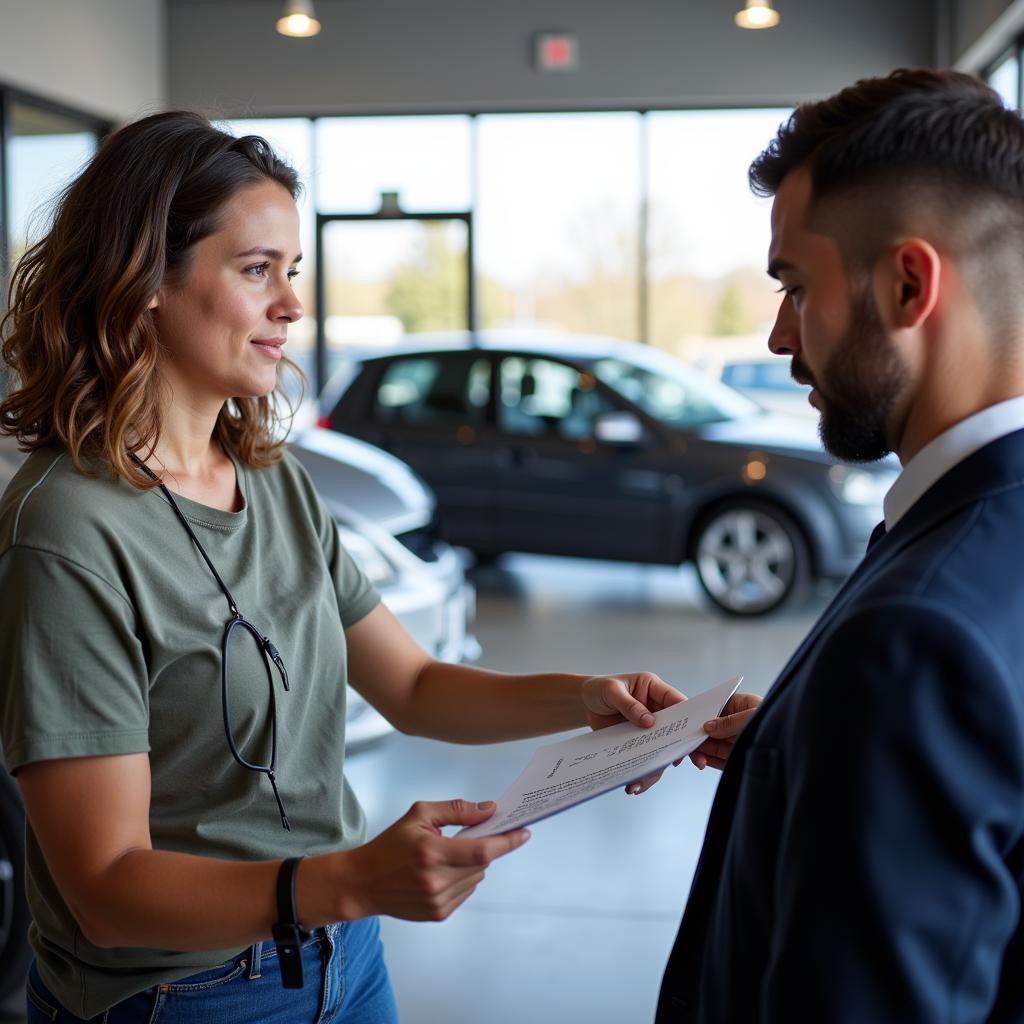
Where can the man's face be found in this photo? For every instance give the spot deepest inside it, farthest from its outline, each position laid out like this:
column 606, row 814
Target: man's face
column 834, row 333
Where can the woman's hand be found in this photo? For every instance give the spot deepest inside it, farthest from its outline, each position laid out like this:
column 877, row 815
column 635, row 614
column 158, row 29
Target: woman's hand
column 632, row 697
column 722, row 731
column 412, row 871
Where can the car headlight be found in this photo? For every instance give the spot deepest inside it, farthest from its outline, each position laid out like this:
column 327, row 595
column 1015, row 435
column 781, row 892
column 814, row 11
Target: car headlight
column 861, row 486
column 367, row 556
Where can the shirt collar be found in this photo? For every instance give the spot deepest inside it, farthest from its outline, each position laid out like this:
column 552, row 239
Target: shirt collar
column 942, row 453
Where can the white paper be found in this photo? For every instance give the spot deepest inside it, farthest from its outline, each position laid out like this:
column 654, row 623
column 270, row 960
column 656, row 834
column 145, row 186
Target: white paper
column 563, row 774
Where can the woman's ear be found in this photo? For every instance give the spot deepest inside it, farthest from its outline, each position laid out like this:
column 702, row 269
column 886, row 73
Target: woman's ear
column 908, row 276
column 154, row 301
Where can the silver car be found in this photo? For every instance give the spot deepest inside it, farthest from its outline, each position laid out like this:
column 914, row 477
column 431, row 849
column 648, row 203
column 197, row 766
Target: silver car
column 387, row 518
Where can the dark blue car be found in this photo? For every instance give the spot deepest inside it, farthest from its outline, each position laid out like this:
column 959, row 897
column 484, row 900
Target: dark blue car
column 599, row 448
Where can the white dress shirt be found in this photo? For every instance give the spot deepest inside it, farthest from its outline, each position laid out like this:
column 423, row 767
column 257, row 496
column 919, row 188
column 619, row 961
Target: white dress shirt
column 942, row 453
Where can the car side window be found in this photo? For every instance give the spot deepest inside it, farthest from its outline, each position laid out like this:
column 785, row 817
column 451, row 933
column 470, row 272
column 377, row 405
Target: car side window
column 444, row 389
column 543, row 398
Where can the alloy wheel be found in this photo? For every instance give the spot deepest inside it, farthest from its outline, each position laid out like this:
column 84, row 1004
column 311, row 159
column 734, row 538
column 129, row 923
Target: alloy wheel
column 748, row 559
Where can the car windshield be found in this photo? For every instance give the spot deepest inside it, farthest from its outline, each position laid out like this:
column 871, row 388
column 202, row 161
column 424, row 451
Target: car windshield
column 769, row 374
column 672, row 392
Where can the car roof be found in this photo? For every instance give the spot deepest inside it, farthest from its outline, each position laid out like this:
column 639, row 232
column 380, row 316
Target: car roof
column 543, row 342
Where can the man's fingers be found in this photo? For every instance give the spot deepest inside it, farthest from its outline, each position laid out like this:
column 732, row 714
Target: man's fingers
column 635, row 788
column 715, row 748
column 729, row 725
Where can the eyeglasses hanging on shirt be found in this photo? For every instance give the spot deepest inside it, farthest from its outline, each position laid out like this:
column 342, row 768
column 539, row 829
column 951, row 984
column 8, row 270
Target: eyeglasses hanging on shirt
column 269, row 654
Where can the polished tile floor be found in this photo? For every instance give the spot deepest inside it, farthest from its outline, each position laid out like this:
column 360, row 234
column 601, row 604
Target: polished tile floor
column 576, row 925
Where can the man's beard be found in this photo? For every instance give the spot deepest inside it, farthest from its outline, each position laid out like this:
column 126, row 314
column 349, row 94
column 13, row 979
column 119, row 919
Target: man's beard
column 858, row 387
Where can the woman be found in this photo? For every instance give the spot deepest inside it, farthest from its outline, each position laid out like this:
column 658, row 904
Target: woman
column 158, row 541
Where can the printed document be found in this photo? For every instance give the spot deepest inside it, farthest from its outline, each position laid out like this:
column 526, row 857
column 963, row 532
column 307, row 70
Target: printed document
column 563, row 774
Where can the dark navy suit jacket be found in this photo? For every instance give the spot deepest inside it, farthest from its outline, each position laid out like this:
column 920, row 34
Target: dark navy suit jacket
column 864, row 856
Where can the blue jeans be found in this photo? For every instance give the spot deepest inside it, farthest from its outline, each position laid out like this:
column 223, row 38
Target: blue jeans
column 346, row 983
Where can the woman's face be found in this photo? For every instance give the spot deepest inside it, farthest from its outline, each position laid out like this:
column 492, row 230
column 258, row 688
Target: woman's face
column 223, row 326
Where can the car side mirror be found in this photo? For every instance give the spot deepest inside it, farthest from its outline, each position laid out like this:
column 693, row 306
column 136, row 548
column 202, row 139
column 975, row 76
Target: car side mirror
column 618, row 428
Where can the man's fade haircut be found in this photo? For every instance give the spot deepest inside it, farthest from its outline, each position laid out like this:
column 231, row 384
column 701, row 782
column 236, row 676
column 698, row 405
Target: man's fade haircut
column 925, row 151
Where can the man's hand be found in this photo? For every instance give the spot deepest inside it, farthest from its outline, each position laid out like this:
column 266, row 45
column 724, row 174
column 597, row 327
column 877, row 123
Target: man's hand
column 722, row 731
column 632, row 697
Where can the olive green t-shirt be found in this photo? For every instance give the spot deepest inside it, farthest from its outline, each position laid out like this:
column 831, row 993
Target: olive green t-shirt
column 110, row 643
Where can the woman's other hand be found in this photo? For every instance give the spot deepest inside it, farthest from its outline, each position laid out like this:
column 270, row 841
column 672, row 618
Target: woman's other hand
column 412, row 871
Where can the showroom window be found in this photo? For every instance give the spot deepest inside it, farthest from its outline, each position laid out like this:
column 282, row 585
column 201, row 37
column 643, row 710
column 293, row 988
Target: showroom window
column 45, row 145
column 635, row 225
column 707, row 245
column 1004, row 76
column 559, row 215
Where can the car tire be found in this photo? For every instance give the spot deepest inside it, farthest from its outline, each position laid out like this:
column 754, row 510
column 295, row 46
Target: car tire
column 751, row 557
column 15, row 953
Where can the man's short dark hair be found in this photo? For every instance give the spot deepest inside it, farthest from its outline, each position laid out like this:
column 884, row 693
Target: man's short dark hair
column 918, row 151
column 936, row 122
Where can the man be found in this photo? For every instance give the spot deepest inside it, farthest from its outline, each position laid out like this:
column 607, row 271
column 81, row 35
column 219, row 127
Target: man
column 865, row 853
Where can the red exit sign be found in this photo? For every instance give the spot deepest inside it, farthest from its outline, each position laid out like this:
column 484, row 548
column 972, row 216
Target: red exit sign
column 555, row 51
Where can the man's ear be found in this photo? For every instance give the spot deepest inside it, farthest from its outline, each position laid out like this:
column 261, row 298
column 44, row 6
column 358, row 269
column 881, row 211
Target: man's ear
column 909, row 277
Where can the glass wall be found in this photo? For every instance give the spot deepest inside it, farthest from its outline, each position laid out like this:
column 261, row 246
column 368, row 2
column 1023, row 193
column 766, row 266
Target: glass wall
column 627, row 224
column 425, row 162
column 1005, row 78
column 44, row 150
column 559, row 222
column 707, row 247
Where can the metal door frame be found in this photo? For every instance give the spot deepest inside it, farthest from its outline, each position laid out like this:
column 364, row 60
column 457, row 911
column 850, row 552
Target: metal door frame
column 323, row 219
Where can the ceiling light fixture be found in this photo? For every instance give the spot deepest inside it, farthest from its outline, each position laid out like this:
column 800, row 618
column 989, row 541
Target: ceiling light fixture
column 757, row 14
column 298, row 19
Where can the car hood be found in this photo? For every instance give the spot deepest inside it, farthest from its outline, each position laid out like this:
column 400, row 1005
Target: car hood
column 782, row 433
column 768, row 430
column 356, row 475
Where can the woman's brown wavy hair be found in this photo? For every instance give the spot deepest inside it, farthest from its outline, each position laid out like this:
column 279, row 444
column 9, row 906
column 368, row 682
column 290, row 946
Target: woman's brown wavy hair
column 78, row 334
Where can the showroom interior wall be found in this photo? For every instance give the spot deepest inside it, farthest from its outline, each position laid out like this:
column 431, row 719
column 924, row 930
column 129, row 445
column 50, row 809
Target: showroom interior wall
column 466, row 55
column 117, row 59
column 106, row 58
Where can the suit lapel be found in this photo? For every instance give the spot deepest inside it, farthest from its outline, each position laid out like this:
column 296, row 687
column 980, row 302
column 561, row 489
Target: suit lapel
column 997, row 467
